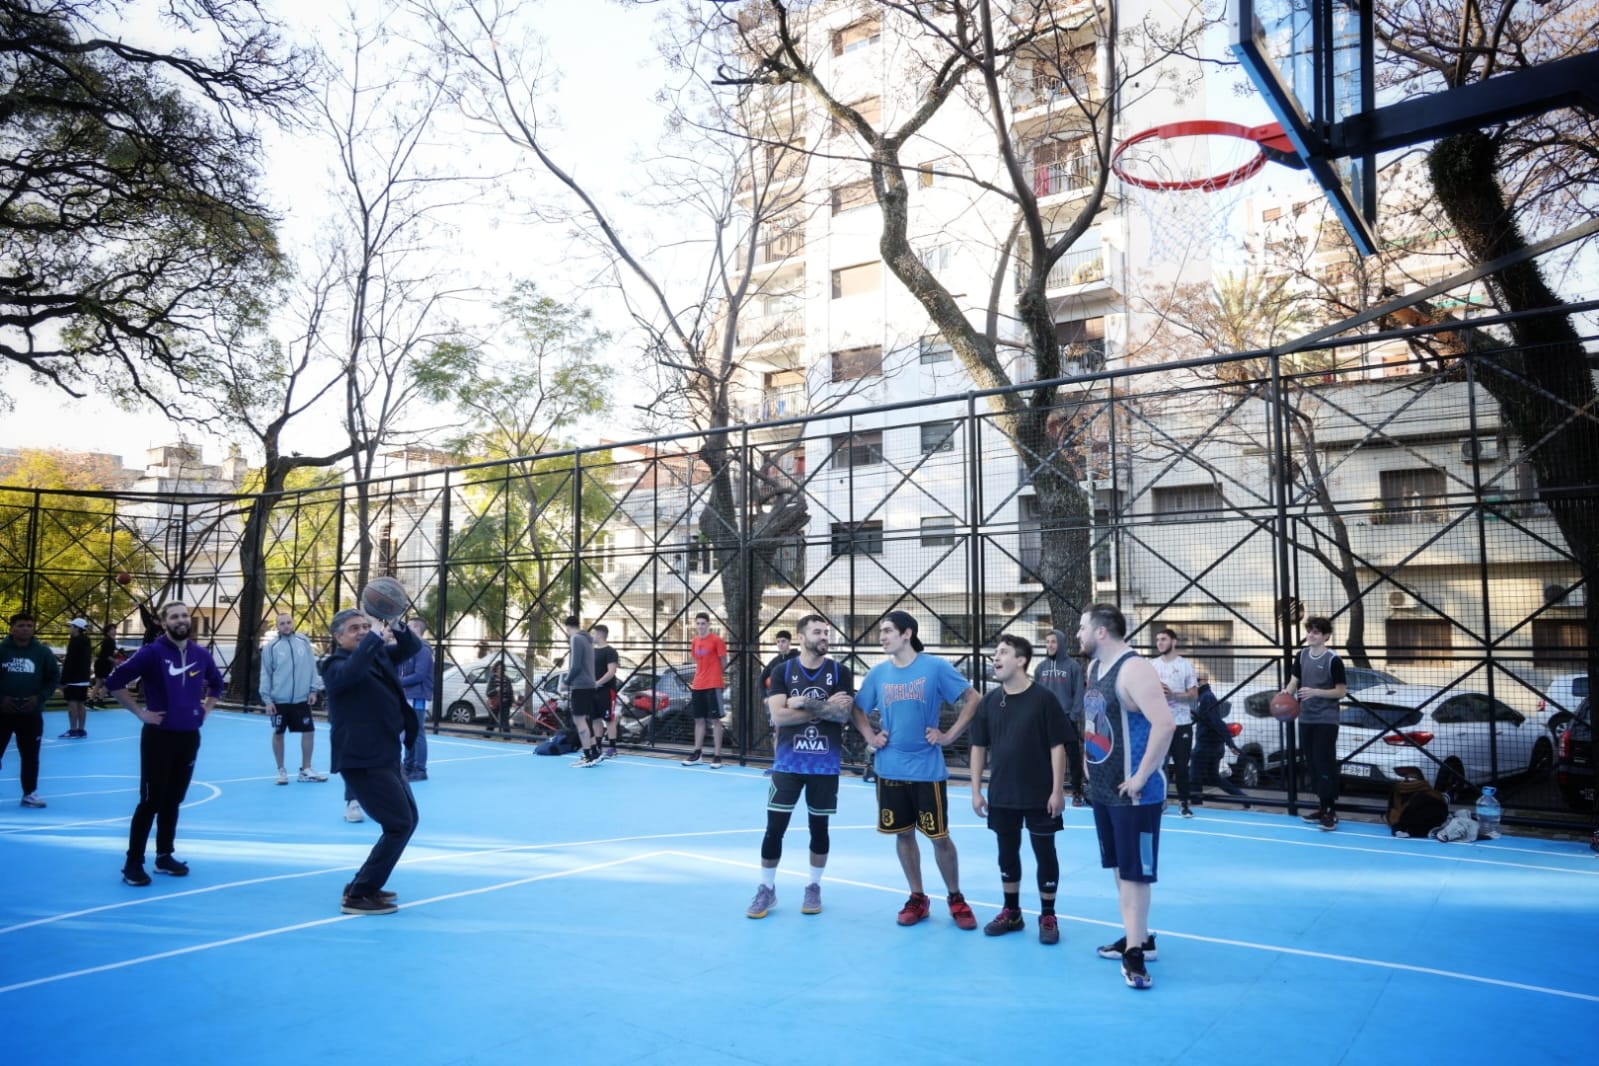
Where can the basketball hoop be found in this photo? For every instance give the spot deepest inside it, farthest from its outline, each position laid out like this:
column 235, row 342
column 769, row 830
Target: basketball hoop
column 1165, row 165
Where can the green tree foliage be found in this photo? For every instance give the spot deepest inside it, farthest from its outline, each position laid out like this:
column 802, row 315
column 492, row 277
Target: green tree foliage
column 131, row 226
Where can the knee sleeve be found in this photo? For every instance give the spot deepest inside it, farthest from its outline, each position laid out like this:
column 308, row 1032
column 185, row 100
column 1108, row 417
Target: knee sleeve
column 1010, row 857
column 772, row 842
column 1048, row 863
column 819, row 840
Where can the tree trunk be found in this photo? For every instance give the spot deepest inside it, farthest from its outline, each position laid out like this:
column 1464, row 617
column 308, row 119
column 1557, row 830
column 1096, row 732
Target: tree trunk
column 1344, row 572
column 1545, row 384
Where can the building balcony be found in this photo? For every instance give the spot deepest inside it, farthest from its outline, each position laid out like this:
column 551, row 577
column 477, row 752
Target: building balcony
column 1068, row 177
column 770, row 329
column 1079, row 269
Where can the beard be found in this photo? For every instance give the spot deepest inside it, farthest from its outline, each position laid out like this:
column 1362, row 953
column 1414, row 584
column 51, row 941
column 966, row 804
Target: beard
column 177, row 630
column 819, row 648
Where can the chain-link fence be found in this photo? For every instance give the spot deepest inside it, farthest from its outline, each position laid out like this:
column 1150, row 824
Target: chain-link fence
column 1435, row 499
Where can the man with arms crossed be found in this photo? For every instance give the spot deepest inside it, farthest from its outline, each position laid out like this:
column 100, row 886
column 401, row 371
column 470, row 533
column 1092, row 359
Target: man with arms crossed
column 710, row 660
column 912, row 792
column 180, row 684
column 1025, row 728
column 290, row 685
column 1127, row 729
column 811, row 698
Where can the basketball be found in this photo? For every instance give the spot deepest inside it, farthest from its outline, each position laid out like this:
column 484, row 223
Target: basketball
column 384, row 598
column 124, row 578
column 1284, row 707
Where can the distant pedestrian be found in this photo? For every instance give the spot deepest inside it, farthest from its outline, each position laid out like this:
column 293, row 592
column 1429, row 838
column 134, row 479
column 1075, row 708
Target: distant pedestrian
column 369, row 717
column 180, row 684
column 607, row 667
column 290, row 687
column 77, row 671
column 416, row 679
column 105, row 661
column 500, row 696
column 28, row 676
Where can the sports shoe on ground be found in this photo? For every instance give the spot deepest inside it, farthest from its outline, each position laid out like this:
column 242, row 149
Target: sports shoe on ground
column 367, row 905
column 1048, row 930
column 1119, row 948
column 308, row 774
column 813, row 899
column 171, row 866
column 380, row 895
column 1311, row 816
column 764, row 900
column 1186, row 811
column 915, row 909
column 353, row 812
column 283, row 776
column 1329, row 822
column 82, row 734
column 585, row 762
column 1077, row 799
column 1133, row 971
column 71, row 734
column 714, row 764
column 32, row 800
column 692, row 760
column 961, row 911
column 133, row 874
column 1006, row 921
column 610, row 753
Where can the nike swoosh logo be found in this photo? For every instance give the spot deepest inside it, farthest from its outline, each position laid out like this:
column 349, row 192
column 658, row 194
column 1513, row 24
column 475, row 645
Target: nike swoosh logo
column 181, row 667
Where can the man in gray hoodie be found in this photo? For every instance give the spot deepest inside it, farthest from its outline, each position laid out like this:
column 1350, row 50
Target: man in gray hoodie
column 578, row 683
column 1062, row 677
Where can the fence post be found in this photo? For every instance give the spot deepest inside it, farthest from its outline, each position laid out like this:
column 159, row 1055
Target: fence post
column 974, row 546
column 1482, row 563
column 1286, row 596
column 577, row 536
column 440, row 614
column 28, row 575
column 750, row 624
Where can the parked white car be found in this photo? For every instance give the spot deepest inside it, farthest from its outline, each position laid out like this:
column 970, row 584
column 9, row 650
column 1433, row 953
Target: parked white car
column 465, row 693
column 1262, row 738
column 1458, row 738
column 1564, row 695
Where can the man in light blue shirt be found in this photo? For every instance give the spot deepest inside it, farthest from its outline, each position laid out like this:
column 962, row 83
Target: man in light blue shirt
column 290, row 686
column 907, row 692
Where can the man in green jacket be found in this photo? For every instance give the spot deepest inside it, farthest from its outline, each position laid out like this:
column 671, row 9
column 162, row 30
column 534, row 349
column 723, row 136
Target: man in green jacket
column 28, row 676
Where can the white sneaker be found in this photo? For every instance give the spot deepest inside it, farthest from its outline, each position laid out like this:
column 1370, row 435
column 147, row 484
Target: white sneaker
column 353, row 812
column 32, row 800
column 308, row 774
column 283, row 776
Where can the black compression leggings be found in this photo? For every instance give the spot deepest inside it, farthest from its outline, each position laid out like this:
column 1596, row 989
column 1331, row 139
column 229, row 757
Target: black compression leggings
column 1010, row 860
column 777, row 825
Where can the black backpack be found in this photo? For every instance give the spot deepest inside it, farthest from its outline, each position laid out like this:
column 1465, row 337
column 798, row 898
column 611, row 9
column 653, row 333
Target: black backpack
column 1415, row 808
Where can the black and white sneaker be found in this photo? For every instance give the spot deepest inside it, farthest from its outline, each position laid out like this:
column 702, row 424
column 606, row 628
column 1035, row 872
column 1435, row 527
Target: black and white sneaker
column 368, row 905
column 133, row 874
column 1133, row 971
column 1313, row 817
column 171, row 866
column 1119, row 949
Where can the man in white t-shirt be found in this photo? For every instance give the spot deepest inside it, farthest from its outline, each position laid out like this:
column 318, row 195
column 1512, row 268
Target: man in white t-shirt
column 1181, row 685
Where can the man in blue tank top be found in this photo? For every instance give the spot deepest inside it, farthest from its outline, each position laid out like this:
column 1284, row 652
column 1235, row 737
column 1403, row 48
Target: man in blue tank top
column 912, row 791
column 811, row 698
column 1127, row 729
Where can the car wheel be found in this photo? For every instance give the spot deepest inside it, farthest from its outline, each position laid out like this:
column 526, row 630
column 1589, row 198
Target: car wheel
column 1451, row 781
column 1247, row 771
column 460, row 713
column 1543, row 759
column 1558, row 724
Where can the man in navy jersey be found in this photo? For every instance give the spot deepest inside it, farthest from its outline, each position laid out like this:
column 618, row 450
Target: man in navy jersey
column 811, row 698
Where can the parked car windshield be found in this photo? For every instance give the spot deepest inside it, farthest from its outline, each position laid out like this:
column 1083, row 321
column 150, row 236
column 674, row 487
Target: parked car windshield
column 1378, row 716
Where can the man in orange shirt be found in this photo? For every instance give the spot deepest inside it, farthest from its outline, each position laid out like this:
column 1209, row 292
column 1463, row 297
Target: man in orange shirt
column 705, row 697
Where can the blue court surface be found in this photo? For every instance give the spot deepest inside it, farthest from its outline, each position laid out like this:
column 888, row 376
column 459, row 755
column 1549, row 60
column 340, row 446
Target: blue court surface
column 597, row 916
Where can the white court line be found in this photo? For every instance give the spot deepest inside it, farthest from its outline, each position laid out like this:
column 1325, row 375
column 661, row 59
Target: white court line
column 119, row 820
column 262, row 934
column 1355, row 960
column 1444, row 854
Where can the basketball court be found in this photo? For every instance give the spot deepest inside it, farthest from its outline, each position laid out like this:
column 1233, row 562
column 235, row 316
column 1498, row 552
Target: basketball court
column 598, row 916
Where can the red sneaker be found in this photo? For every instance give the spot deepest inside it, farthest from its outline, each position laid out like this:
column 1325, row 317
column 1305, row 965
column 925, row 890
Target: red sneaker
column 915, row 909
column 958, row 910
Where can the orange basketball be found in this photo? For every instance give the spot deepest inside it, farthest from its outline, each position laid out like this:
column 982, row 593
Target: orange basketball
column 124, row 578
column 1284, row 707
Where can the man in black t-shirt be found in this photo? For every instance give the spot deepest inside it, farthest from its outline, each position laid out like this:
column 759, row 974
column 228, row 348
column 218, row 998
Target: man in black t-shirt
column 607, row 668
column 1024, row 727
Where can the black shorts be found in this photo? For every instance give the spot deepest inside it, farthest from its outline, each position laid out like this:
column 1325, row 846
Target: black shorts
column 705, row 702
column 1038, row 821
column 585, row 703
column 821, row 792
column 906, row 805
column 1129, row 840
column 607, row 703
column 294, row 717
column 75, row 693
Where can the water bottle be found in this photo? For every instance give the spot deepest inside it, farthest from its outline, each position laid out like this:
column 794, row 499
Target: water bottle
column 1488, row 812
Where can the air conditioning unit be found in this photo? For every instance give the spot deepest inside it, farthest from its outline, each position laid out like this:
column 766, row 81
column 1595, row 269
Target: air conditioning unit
column 1481, row 449
column 1401, row 600
column 1557, row 595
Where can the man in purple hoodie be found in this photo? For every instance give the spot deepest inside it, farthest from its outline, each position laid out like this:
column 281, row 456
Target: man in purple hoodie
column 181, row 684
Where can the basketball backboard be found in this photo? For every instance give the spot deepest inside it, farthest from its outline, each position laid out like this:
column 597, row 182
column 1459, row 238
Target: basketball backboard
column 1312, row 61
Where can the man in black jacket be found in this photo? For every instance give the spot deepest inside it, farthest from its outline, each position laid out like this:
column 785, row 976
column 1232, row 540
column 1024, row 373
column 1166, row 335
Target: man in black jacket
column 368, row 714
column 77, row 670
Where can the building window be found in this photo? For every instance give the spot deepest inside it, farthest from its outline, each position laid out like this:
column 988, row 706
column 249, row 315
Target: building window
column 1560, row 643
column 1412, row 496
column 857, row 35
column 935, row 350
column 1418, row 640
column 1082, row 342
column 852, row 364
column 858, row 449
column 1178, row 503
column 857, row 538
column 938, row 437
column 855, row 194
column 939, row 532
column 857, row 280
